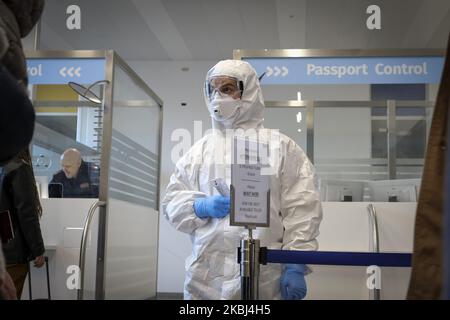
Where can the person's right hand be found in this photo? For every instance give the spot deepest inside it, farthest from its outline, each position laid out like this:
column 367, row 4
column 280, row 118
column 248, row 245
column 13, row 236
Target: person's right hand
column 7, row 288
column 213, row 207
column 39, row 261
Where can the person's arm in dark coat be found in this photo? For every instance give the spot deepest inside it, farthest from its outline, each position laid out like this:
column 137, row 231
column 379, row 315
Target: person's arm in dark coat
column 24, row 201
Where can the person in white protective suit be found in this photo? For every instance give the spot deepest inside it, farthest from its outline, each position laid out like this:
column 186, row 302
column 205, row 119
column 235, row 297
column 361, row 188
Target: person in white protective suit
column 191, row 204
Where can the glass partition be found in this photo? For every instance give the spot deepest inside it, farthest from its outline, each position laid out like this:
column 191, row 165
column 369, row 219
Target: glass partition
column 117, row 131
column 290, row 121
column 362, row 150
column 65, row 120
column 346, row 142
column 412, row 124
column 133, row 184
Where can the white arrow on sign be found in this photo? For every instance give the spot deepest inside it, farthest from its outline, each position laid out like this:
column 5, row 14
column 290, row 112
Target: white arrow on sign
column 276, row 71
column 71, row 72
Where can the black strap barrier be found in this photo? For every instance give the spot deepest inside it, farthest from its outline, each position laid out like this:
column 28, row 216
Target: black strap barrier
column 339, row 258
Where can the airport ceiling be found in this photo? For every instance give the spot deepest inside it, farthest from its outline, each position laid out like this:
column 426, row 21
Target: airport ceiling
column 211, row 29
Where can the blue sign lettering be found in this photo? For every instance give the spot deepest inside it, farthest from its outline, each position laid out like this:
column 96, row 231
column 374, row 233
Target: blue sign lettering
column 62, row 71
column 349, row 70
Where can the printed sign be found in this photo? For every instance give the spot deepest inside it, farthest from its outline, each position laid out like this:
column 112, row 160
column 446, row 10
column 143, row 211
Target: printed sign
column 347, row 70
column 249, row 188
column 62, row 71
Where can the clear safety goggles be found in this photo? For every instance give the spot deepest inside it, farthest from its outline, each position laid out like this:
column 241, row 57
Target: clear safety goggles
column 224, row 86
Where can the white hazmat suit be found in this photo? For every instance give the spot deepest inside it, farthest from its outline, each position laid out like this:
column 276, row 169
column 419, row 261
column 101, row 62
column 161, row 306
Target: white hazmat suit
column 212, row 271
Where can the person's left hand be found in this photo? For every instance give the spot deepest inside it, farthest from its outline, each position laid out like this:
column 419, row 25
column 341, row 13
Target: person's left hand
column 293, row 284
column 7, row 288
column 39, row 261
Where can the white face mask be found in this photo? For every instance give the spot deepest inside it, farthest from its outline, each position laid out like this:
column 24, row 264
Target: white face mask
column 223, row 108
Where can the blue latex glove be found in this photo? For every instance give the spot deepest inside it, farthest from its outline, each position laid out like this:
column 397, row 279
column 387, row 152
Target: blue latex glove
column 293, row 284
column 213, row 207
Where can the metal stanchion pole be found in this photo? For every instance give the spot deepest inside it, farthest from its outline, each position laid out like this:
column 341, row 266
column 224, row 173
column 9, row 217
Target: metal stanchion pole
column 254, row 269
column 249, row 261
column 245, row 269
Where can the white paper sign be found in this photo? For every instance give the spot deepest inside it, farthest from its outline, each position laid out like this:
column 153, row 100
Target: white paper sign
column 249, row 189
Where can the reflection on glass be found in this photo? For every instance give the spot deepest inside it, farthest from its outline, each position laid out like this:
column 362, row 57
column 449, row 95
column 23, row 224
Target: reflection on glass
column 399, row 190
column 410, row 141
column 341, row 190
column 290, row 121
column 351, row 149
column 346, row 144
column 61, row 126
column 87, row 92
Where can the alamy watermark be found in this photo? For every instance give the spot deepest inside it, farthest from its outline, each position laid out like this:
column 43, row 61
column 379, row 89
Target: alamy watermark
column 374, row 279
column 373, row 22
column 73, row 21
column 73, row 280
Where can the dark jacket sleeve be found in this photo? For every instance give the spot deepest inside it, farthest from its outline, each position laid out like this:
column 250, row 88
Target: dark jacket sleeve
column 56, row 178
column 16, row 117
column 24, row 202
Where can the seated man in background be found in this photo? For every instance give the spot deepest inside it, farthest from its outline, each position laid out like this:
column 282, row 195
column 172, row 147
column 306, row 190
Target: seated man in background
column 77, row 179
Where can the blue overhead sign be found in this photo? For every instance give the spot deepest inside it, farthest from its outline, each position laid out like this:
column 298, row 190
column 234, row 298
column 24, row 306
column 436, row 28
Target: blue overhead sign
column 345, row 70
column 62, row 71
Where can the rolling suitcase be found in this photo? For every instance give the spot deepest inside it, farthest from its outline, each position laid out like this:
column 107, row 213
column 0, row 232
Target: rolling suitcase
column 48, row 280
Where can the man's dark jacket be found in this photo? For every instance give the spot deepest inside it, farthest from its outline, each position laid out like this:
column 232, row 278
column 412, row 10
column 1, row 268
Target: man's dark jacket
column 84, row 185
